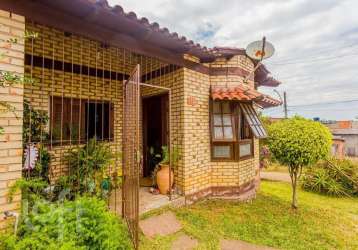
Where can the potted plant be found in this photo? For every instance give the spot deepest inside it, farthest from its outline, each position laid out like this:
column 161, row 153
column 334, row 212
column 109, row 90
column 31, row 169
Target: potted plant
column 162, row 174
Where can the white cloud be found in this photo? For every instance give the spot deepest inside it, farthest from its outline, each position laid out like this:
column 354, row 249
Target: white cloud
column 316, row 42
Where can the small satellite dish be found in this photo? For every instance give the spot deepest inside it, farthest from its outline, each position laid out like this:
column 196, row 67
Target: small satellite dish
column 260, row 50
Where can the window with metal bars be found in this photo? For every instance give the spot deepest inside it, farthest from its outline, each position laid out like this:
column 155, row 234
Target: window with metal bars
column 233, row 125
column 75, row 121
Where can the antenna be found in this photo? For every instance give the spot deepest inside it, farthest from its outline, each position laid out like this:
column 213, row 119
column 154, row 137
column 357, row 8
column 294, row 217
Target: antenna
column 259, row 50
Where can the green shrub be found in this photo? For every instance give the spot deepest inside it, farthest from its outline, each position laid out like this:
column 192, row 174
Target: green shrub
column 333, row 177
column 81, row 224
column 296, row 143
column 88, row 169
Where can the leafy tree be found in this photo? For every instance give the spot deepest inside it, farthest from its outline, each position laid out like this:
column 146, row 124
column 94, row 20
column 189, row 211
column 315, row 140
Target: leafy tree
column 298, row 142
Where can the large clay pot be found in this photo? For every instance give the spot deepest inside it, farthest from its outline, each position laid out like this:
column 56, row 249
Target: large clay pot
column 163, row 179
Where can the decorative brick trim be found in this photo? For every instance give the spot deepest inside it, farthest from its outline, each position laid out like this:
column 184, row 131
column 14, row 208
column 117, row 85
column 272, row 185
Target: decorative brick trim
column 244, row 192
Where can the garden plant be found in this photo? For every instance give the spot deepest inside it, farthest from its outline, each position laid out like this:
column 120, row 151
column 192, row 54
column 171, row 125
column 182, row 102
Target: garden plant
column 298, row 143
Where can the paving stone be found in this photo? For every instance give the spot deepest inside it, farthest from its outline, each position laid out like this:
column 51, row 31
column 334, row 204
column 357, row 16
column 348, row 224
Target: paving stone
column 162, row 225
column 241, row 245
column 184, row 242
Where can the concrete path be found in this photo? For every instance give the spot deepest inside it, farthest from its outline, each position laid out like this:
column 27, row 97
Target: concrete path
column 275, row 176
column 184, row 242
column 161, row 225
column 241, row 245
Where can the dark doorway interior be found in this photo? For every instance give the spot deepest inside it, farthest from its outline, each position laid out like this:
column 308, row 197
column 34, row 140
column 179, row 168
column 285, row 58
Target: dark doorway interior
column 155, row 130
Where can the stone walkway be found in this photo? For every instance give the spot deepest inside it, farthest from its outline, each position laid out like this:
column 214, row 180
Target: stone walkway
column 167, row 224
column 160, row 225
column 275, row 176
column 184, row 242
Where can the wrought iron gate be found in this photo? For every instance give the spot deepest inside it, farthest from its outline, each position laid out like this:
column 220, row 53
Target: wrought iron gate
column 131, row 153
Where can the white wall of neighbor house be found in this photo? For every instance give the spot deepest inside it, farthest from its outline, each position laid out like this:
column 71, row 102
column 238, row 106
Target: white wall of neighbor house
column 11, row 26
column 350, row 144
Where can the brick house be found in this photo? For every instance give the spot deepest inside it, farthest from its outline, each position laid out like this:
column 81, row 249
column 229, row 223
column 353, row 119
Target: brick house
column 86, row 50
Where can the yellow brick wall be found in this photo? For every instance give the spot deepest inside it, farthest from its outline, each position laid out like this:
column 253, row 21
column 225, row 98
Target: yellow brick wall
column 11, row 26
column 190, row 102
column 231, row 80
column 52, row 43
column 199, row 171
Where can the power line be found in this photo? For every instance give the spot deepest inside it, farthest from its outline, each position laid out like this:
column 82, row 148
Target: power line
column 317, row 60
column 320, row 53
column 323, row 103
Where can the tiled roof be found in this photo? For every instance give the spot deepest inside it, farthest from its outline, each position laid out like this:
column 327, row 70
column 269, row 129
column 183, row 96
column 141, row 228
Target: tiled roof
column 126, row 28
column 243, row 93
column 196, row 48
column 263, row 77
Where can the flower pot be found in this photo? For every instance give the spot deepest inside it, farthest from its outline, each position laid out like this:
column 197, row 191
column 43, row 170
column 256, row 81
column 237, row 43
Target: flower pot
column 163, row 179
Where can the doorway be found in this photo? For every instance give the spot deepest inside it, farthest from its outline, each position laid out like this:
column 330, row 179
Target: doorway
column 155, row 132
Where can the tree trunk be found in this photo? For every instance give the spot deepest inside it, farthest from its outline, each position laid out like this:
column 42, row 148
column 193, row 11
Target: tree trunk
column 294, row 174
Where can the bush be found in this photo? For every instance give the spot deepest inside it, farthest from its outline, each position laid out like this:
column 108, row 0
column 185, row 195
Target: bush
column 296, row 143
column 299, row 142
column 81, row 224
column 333, row 177
column 88, row 169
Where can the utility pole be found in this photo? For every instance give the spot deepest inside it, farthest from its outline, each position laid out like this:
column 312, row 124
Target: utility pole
column 285, row 104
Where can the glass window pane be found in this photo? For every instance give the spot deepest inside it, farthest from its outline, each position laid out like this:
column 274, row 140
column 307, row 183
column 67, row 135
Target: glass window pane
column 245, row 149
column 226, row 107
column 217, row 120
column 253, row 120
column 222, row 151
column 218, row 133
column 228, row 134
column 227, row 120
column 216, row 107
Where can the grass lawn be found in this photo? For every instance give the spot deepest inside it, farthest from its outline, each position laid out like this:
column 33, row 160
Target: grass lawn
column 321, row 222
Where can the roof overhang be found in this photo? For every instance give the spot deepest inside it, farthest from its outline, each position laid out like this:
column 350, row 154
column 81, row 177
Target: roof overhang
column 97, row 20
column 243, row 93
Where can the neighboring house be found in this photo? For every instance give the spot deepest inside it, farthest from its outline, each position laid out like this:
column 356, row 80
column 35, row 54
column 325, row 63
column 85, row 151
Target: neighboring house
column 190, row 97
column 338, row 147
column 347, row 131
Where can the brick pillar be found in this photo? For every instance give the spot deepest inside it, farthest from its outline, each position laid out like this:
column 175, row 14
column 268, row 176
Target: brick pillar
column 11, row 26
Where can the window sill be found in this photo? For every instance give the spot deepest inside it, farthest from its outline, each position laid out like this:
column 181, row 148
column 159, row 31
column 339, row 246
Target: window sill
column 244, row 158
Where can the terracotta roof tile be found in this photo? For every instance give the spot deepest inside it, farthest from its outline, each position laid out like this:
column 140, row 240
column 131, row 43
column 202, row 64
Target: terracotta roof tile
column 243, row 93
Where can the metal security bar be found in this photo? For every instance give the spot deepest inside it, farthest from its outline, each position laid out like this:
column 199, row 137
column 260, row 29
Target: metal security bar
column 131, row 153
column 83, row 96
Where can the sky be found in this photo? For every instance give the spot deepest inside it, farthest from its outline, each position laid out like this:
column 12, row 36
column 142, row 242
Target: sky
column 316, row 44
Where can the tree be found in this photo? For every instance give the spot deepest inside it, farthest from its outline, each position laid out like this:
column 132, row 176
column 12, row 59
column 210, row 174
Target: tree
column 296, row 143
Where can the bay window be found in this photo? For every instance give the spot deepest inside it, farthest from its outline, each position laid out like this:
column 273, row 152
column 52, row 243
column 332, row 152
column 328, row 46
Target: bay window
column 233, row 127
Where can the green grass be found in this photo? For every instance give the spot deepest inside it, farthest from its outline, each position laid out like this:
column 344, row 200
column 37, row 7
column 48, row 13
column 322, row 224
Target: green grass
column 321, row 222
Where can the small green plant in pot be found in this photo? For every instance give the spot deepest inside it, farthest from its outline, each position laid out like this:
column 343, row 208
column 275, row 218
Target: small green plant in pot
column 164, row 174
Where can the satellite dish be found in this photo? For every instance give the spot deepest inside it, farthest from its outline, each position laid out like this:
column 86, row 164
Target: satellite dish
column 260, row 50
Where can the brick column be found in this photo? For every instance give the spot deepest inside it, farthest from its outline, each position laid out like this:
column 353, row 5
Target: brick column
column 11, row 26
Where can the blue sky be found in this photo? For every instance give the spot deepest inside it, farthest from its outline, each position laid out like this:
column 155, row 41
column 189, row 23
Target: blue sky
column 316, row 44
